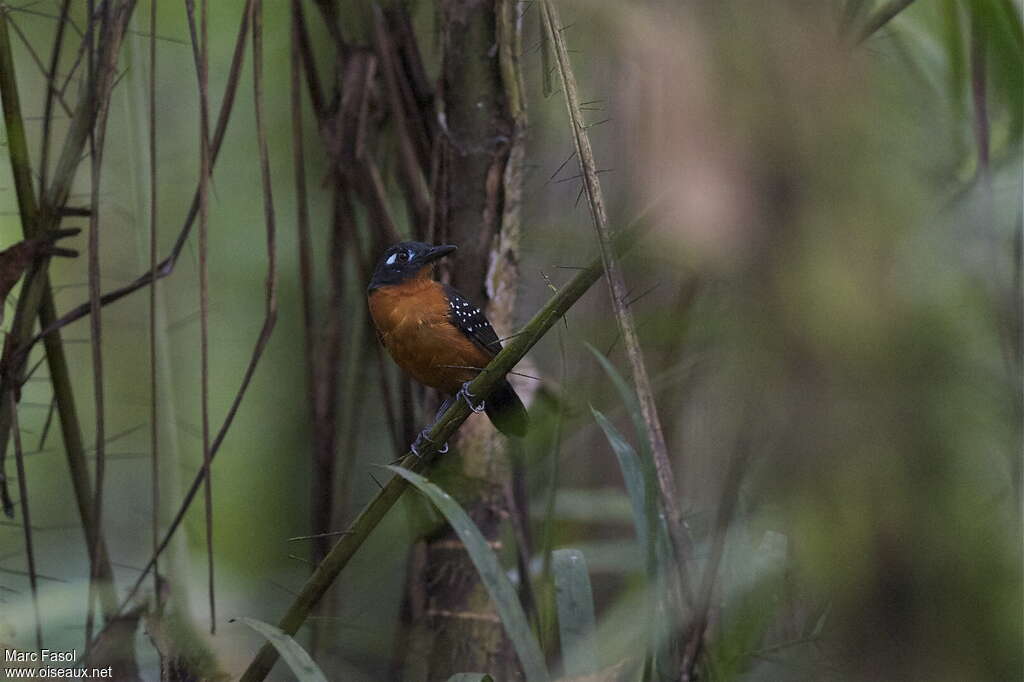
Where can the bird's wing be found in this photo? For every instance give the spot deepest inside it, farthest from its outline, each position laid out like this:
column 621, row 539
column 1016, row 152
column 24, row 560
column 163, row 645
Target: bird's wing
column 471, row 321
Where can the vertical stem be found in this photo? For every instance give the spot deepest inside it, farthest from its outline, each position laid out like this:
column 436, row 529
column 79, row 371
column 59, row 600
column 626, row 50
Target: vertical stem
column 95, row 316
column 201, row 54
column 204, row 296
column 154, row 407
column 26, row 521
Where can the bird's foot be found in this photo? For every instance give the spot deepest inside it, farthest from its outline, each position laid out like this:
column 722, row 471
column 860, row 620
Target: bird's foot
column 424, row 440
column 466, row 395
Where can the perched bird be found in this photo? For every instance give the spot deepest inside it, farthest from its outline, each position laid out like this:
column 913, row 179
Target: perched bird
column 435, row 334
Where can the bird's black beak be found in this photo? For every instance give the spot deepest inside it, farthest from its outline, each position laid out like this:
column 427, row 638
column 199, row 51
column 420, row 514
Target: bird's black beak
column 438, row 252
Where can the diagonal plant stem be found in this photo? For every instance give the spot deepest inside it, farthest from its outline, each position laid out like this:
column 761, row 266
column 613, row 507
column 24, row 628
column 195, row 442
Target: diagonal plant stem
column 623, row 315
column 442, row 429
column 51, row 90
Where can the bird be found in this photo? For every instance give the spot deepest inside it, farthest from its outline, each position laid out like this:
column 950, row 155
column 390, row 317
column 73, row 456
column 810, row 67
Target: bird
column 436, row 334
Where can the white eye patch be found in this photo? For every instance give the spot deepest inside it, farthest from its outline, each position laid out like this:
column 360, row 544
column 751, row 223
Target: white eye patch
column 391, row 259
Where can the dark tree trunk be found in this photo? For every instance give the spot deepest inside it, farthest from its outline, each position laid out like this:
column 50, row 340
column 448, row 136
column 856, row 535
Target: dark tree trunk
column 477, row 197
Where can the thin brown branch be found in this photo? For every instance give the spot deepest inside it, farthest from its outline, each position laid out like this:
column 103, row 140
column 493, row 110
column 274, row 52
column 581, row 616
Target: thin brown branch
column 37, row 60
column 413, row 149
column 154, row 404
column 96, row 144
column 200, row 48
column 330, row 15
column 51, row 90
column 301, row 43
column 299, row 54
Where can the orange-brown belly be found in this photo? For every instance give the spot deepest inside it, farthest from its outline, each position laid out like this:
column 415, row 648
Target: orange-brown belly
column 414, row 327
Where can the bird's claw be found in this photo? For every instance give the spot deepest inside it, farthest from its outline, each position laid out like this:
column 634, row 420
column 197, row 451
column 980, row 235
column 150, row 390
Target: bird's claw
column 466, row 395
column 425, row 439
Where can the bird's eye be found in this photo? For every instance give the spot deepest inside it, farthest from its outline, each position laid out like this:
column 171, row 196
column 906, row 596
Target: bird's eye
column 403, row 257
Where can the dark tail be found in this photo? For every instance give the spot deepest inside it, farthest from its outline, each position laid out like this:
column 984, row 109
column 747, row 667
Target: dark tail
column 506, row 411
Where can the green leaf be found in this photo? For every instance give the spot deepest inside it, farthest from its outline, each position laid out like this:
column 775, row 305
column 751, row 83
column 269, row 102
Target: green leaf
column 575, row 600
column 294, row 655
column 627, row 395
column 493, row 577
column 633, row 474
column 470, row 677
column 650, row 528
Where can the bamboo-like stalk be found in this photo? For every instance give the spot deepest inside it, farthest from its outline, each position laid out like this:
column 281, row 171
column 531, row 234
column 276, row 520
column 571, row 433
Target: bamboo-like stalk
column 443, row 429
column 678, row 582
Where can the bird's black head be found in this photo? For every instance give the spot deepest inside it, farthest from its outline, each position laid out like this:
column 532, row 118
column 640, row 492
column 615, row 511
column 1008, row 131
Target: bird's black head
column 405, row 261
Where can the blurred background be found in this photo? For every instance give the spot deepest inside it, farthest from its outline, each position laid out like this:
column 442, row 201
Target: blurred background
column 826, row 285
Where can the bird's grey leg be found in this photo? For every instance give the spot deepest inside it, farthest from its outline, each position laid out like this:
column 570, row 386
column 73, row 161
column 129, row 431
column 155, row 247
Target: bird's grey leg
column 466, row 395
column 424, row 439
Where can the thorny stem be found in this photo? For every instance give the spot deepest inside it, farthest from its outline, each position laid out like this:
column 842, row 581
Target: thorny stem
column 679, row 541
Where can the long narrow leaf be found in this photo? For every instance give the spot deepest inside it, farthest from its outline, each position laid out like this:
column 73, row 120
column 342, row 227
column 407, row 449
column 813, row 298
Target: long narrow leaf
column 628, row 397
column 650, row 529
column 293, row 654
column 635, row 479
column 575, row 600
column 491, row 574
